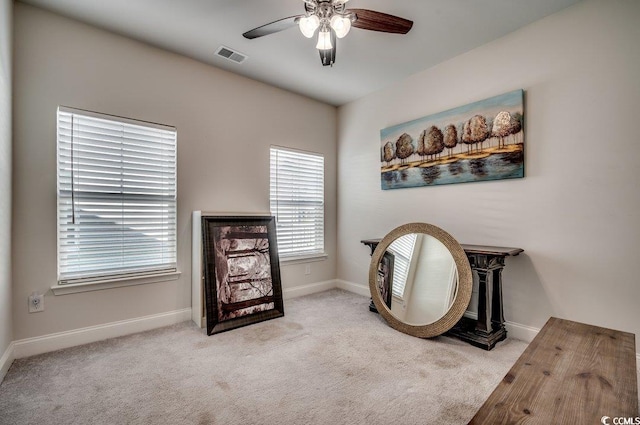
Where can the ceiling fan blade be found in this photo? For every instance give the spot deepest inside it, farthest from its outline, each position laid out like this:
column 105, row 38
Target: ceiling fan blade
column 273, row 27
column 328, row 57
column 377, row 21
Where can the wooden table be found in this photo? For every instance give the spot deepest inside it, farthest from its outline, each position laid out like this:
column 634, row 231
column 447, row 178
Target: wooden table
column 571, row 373
column 486, row 263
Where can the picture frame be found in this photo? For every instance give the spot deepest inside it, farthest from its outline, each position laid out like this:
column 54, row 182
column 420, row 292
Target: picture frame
column 385, row 277
column 241, row 271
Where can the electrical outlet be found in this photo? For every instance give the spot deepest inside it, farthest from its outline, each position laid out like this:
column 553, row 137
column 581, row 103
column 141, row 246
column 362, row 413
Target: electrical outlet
column 36, row 303
column 307, row 269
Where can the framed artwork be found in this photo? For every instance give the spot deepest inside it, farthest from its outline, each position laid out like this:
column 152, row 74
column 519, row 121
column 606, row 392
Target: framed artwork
column 385, row 277
column 241, row 271
column 480, row 141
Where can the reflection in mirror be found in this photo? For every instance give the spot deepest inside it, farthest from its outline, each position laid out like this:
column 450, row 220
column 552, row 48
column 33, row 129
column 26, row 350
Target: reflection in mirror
column 420, row 279
column 424, row 278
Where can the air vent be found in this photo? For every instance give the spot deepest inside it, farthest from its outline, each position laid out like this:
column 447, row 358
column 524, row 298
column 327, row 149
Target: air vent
column 231, row 55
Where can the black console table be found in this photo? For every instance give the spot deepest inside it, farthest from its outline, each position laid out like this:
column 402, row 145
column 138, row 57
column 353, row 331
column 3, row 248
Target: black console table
column 487, row 263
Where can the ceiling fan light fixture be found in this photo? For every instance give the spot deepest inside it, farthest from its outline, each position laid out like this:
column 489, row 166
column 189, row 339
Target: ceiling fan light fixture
column 330, row 20
column 324, row 40
column 308, row 25
column 341, row 25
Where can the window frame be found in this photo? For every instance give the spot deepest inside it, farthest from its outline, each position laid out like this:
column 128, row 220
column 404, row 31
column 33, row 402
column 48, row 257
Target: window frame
column 103, row 279
column 299, row 256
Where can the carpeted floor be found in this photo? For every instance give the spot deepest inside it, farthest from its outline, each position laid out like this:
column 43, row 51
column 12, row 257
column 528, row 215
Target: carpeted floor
column 328, row 361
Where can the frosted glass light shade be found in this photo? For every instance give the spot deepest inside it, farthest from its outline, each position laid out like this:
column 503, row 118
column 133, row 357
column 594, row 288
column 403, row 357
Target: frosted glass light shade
column 324, row 41
column 308, row 25
column 340, row 25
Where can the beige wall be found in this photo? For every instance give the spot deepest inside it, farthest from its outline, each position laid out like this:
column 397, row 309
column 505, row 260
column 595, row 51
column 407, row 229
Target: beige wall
column 6, row 322
column 225, row 123
column 577, row 211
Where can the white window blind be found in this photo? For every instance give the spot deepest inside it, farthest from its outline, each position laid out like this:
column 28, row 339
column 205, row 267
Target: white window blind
column 297, row 201
column 402, row 249
column 116, row 197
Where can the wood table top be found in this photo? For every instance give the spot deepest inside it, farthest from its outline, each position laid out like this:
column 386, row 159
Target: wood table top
column 471, row 249
column 491, row 250
column 571, row 373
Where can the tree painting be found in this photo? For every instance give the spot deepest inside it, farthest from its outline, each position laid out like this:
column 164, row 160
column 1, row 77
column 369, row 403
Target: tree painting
column 486, row 135
column 478, row 130
column 243, row 267
column 404, row 148
column 501, row 127
column 421, row 148
column 241, row 271
column 388, row 154
column 434, row 141
column 450, row 138
column 516, row 124
column 466, row 136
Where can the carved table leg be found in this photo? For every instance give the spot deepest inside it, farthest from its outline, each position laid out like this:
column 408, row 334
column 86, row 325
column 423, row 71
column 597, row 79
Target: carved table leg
column 488, row 329
column 485, row 300
column 497, row 312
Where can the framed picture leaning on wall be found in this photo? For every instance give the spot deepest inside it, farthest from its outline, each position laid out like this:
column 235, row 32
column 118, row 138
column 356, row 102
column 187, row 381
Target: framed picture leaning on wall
column 241, row 271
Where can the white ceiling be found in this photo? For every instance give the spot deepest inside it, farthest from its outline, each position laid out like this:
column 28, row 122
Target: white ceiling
column 365, row 60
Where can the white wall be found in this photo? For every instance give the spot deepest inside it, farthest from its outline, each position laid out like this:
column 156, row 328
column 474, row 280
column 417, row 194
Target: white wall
column 6, row 322
column 577, row 211
column 433, row 283
column 225, row 123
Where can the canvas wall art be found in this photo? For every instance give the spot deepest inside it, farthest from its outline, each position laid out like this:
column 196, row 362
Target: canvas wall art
column 480, row 141
column 241, row 271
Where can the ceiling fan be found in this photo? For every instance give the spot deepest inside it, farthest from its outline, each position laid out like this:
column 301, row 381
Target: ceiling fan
column 333, row 20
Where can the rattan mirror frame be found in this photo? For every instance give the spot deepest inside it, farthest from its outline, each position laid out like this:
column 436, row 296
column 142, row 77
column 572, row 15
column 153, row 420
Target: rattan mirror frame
column 465, row 281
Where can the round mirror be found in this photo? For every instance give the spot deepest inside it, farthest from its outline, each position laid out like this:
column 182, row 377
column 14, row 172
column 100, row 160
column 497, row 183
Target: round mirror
column 420, row 280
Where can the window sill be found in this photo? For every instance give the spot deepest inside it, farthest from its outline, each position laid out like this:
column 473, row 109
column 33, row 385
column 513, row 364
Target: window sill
column 98, row 285
column 303, row 259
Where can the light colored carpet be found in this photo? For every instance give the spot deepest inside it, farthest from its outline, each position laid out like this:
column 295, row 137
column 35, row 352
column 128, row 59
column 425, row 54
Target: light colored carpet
column 328, row 361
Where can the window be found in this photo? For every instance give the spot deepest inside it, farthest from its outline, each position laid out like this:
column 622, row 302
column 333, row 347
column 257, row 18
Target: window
column 402, row 249
column 116, row 197
column 297, row 201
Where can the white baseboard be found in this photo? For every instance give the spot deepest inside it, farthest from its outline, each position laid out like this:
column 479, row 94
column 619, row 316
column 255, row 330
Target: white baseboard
column 6, row 360
column 353, row 287
column 522, row 332
column 57, row 341
column 308, row 289
column 471, row 315
column 312, row 288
